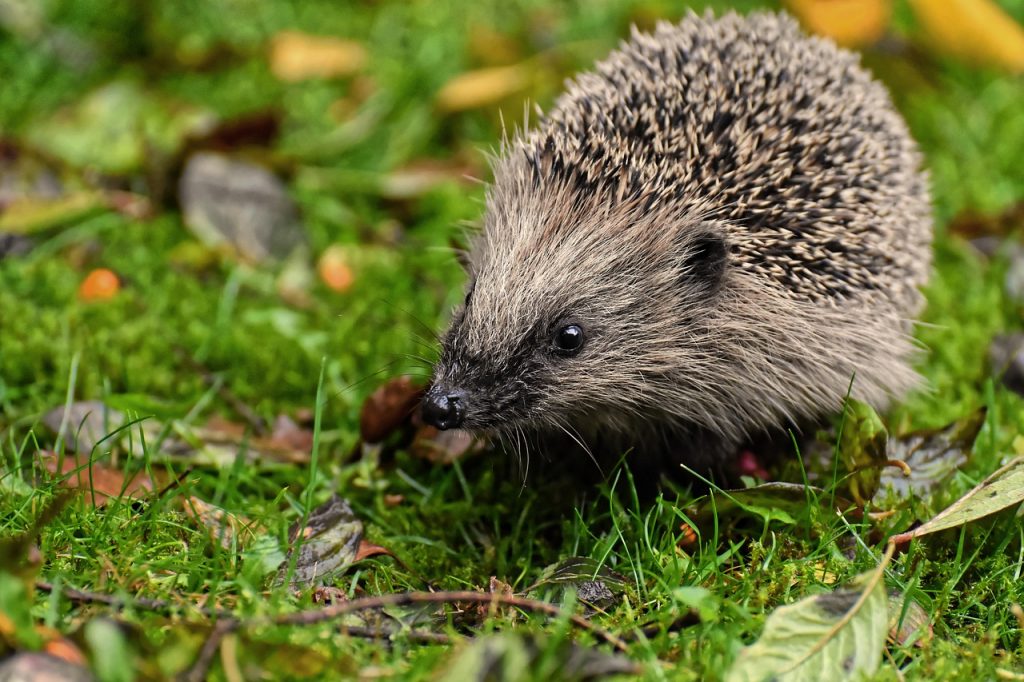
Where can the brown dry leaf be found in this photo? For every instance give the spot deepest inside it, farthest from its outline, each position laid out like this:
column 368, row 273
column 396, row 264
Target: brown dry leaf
column 480, row 88
column 225, row 527
column 66, row 650
column 978, row 31
column 909, row 624
column 848, row 22
column 443, row 447
column 296, row 56
column 389, row 408
column 100, row 480
column 368, row 549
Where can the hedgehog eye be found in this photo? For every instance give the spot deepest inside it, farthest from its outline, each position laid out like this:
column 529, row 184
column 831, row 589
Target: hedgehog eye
column 568, row 340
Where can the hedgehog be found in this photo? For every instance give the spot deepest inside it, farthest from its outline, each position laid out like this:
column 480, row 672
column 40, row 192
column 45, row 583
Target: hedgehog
column 720, row 231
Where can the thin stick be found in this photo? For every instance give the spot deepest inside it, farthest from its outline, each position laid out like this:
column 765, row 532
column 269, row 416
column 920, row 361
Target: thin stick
column 311, row 617
column 201, row 668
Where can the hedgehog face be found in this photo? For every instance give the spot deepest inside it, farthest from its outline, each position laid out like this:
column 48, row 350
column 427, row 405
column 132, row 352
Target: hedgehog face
column 574, row 326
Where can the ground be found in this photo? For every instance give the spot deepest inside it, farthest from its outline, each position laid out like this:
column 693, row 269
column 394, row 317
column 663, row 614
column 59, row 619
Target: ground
column 189, row 326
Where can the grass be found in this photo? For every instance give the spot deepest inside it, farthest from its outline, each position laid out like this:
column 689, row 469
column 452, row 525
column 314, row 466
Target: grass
column 458, row 525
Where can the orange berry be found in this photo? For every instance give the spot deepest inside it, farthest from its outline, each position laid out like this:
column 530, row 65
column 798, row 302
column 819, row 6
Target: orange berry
column 99, row 285
column 334, row 269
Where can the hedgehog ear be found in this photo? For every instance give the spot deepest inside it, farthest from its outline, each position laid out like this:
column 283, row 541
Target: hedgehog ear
column 703, row 259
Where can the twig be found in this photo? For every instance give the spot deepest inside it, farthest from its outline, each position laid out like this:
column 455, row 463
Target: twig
column 199, row 670
column 312, row 617
column 159, row 605
column 413, row 635
column 324, row 614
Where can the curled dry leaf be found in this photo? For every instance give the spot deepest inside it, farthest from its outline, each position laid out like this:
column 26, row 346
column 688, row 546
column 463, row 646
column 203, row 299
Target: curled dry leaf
column 931, row 456
column 444, row 447
column 226, row 528
column 1003, row 489
column 483, row 87
column 330, row 542
column 851, row 23
column 99, row 480
column 834, row 636
column 389, row 408
column 975, row 30
column 296, row 56
column 908, row 621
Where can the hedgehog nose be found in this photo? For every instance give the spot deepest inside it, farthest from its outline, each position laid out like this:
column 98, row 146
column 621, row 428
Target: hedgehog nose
column 444, row 409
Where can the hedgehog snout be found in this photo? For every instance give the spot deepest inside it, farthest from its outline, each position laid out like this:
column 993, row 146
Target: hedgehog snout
column 444, row 408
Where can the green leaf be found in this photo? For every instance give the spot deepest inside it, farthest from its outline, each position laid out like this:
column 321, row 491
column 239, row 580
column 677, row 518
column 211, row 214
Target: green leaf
column 835, row 636
column 111, row 657
column 1004, row 488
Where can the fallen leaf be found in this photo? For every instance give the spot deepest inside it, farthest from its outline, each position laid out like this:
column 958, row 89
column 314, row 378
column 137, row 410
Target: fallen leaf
column 66, row 650
column 834, row 636
column 32, row 215
column 296, row 56
column 776, row 501
column 973, row 225
column 389, row 408
column 116, row 128
column 863, row 448
column 368, row 549
column 231, row 202
column 1004, row 488
column 975, row 30
column 908, row 621
column 101, row 481
column 509, row 657
column 932, row 456
column 225, row 528
column 483, row 87
column 594, row 584
column 444, row 447
column 99, row 285
column 335, row 270
column 42, row 667
column 328, row 544
column 84, row 424
column 851, row 23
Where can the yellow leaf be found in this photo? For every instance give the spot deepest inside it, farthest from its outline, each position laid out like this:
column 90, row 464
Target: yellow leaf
column 850, row 23
column 974, row 30
column 296, row 56
column 482, row 87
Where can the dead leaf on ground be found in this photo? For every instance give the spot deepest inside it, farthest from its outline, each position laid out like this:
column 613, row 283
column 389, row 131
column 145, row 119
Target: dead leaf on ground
column 851, row 23
column 833, row 636
column 973, row 225
column 444, row 447
column 84, row 424
column 484, row 87
column 219, row 441
column 595, row 584
column 978, row 31
column 419, row 177
column 510, row 657
column 225, row 528
column 335, row 268
column 99, row 480
column 908, row 621
column 389, row 408
column 330, row 542
column 1002, row 489
column 42, row 667
column 227, row 201
column 932, row 456
column 296, row 56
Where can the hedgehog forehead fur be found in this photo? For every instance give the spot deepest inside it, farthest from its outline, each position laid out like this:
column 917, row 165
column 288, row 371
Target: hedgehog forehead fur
column 737, row 137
